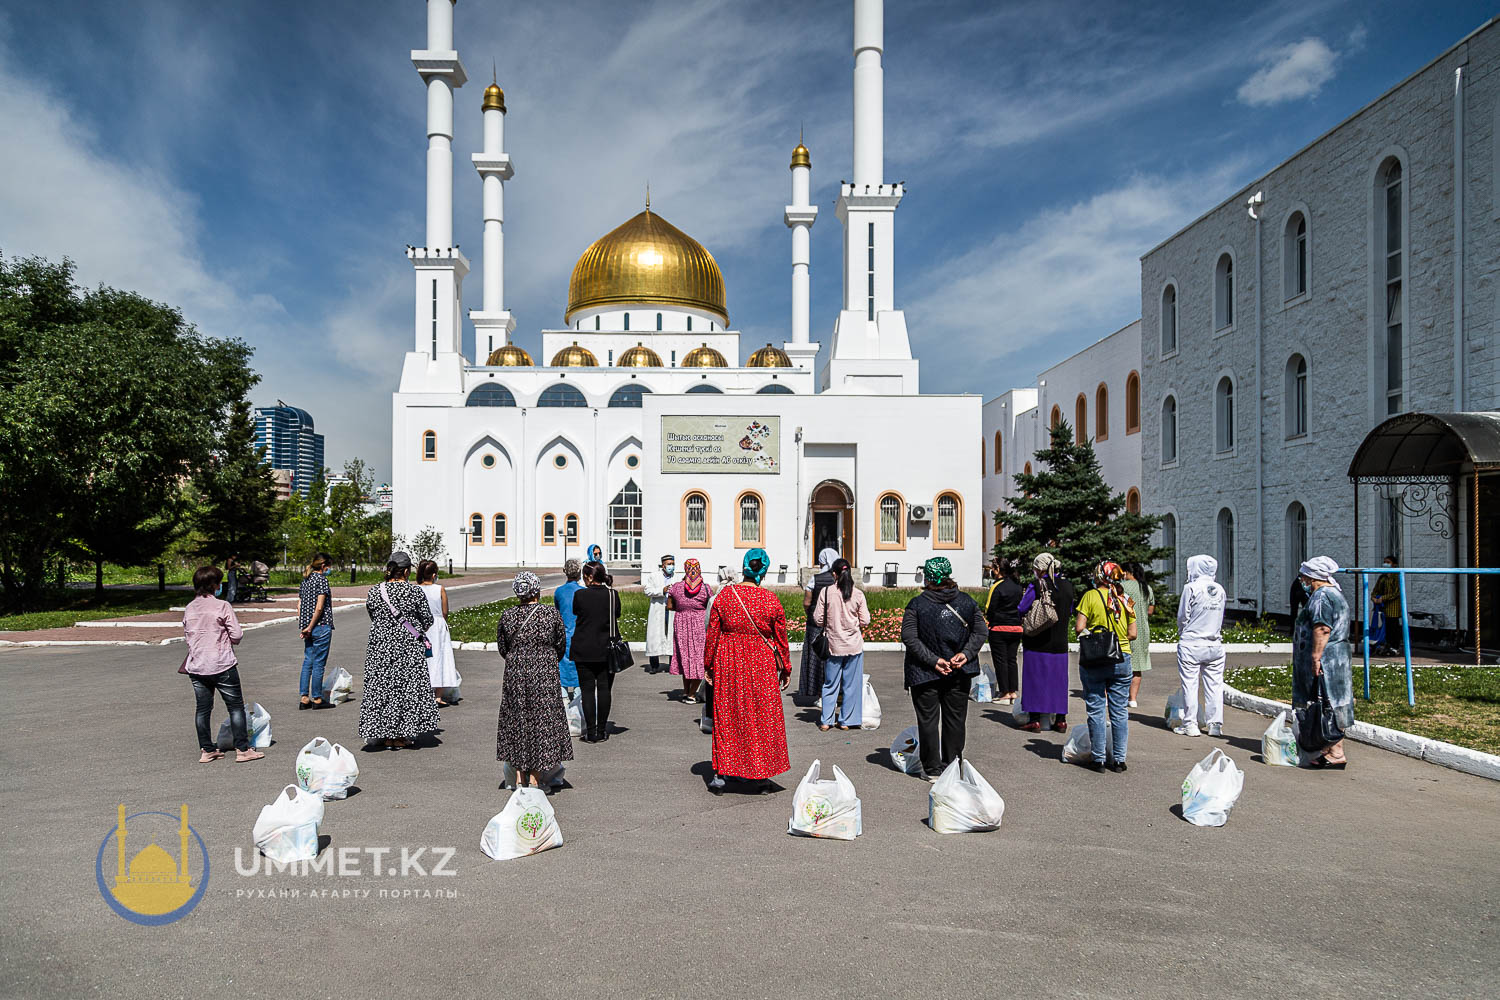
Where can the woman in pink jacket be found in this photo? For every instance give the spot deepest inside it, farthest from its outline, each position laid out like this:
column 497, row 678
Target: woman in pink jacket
column 212, row 631
column 842, row 613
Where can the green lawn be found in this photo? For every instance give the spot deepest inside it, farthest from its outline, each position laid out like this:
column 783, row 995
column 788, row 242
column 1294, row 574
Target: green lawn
column 1455, row 704
column 63, row 608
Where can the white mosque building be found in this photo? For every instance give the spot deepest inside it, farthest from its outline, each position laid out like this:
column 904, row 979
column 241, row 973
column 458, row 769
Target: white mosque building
column 645, row 425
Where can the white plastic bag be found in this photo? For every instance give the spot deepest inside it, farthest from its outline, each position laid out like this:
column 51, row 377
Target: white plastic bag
column 869, row 707
column 508, row 776
column 1176, row 712
column 985, row 685
column 1079, row 749
column 287, row 829
column 1278, row 745
column 961, row 801
column 1211, row 789
column 827, row 809
column 527, row 825
column 575, row 713
column 904, row 752
column 326, row 769
column 338, row 687
column 257, row 725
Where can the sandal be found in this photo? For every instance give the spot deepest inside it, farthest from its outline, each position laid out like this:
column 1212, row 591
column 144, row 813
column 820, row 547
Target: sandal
column 823, row 729
column 845, row 728
column 243, row 755
column 209, row 756
column 689, row 700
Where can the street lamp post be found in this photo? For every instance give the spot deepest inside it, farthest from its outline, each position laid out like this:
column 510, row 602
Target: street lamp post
column 464, row 534
column 284, row 538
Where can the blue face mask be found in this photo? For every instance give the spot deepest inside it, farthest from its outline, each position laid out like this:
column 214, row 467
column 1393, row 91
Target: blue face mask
column 668, row 570
column 1306, row 588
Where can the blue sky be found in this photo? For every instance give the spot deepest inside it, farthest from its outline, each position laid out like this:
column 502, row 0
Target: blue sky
column 261, row 165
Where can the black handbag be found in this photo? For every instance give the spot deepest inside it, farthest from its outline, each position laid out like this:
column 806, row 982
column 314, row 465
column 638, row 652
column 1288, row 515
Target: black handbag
column 1317, row 728
column 1100, row 648
column 820, row 641
column 618, row 656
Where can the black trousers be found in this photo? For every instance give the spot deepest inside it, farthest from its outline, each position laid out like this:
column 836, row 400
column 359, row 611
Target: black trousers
column 228, row 686
column 596, row 682
column 1003, row 649
column 942, row 715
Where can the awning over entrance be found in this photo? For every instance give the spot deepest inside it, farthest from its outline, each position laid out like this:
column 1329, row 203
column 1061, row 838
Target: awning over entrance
column 1429, row 446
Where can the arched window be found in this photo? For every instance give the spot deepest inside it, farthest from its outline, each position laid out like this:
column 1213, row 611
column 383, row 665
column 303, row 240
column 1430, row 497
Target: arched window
column 1080, row 419
column 890, row 515
column 1296, row 397
column 1169, row 320
column 1294, row 257
column 1056, row 417
column 570, row 529
column 999, row 467
column 658, row 321
column 775, row 389
column 1296, row 536
column 499, row 537
column 1027, row 470
column 627, row 321
column 1133, row 403
column 561, row 395
column 948, row 532
column 490, row 395
column 596, row 322
column 1224, row 293
column 1132, row 501
column 748, row 526
column 1226, row 551
column 705, row 387
column 1224, row 415
column 1169, row 541
column 1390, row 244
column 1169, row 430
column 429, row 446
column 628, row 395
column 696, row 532
column 690, row 324
column 549, row 529
column 1101, row 413
column 476, row 529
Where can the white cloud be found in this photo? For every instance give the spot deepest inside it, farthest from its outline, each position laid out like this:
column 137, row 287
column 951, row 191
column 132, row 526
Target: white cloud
column 1298, row 71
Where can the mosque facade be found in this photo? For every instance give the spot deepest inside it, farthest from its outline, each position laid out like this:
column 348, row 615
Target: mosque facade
column 645, row 425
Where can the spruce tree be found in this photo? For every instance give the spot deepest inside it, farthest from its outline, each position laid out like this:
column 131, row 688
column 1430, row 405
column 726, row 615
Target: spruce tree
column 1067, row 508
column 238, row 513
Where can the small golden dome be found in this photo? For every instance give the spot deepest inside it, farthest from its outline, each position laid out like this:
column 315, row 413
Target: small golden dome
column 152, row 862
column 769, row 357
column 647, row 260
column 640, row 356
column 509, row 356
column 494, row 97
column 801, row 157
column 575, row 357
column 704, row 357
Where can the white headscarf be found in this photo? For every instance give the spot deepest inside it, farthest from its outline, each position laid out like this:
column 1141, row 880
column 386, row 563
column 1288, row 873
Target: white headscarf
column 1320, row 568
column 826, row 559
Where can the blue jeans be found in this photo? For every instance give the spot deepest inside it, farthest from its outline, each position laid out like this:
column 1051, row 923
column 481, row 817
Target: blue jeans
column 846, row 674
column 1107, row 689
column 314, row 658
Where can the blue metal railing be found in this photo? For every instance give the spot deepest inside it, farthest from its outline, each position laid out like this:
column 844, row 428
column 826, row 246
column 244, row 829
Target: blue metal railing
column 1401, row 574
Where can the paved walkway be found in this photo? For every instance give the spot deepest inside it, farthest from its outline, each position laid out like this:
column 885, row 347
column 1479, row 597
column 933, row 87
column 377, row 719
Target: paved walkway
column 1377, row 882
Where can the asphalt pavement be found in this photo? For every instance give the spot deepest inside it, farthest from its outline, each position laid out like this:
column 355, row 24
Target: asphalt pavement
column 1381, row 881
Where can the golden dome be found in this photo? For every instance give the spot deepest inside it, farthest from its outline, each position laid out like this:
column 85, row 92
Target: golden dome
column 704, row 357
column 801, row 157
column 769, row 357
column 575, row 357
column 647, row 260
column 640, row 356
column 509, row 356
column 153, row 863
column 494, row 97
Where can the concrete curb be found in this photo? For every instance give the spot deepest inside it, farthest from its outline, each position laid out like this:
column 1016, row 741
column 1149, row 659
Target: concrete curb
column 1475, row 762
column 896, row 647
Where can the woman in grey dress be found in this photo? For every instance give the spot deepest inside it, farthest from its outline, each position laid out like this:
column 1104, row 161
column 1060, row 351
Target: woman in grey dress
column 396, row 703
column 1320, row 655
column 532, row 733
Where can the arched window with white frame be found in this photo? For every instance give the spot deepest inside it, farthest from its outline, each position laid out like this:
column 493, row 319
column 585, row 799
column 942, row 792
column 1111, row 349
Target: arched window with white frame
column 1295, row 396
column 1294, row 257
column 1296, row 536
column 429, row 446
column 1390, row 263
column 1226, row 546
column 1224, row 293
column 476, row 529
column 498, row 537
column 1169, row 320
column 1169, row 430
column 549, row 529
column 1224, row 415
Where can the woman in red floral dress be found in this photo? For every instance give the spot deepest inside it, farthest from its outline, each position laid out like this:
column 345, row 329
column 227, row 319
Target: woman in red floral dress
column 748, row 663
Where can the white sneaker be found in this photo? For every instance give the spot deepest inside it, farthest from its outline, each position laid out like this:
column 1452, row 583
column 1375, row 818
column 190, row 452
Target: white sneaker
column 1188, row 729
column 1216, row 729
column 1133, row 704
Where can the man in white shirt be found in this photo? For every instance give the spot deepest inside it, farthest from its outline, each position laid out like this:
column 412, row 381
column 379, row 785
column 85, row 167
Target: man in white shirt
column 659, row 620
column 1200, row 649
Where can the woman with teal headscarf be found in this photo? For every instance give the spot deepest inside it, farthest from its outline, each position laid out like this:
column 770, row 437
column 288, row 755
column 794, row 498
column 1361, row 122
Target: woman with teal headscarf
column 747, row 661
column 943, row 630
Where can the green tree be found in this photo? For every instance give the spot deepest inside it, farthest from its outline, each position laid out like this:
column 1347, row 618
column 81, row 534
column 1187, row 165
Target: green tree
column 306, row 522
column 428, row 544
column 237, row 512
column 348, row 519
column 1067, row 508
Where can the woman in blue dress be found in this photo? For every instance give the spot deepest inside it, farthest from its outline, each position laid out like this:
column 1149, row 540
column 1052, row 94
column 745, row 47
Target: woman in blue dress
column 1320, row 653
column 562, row 599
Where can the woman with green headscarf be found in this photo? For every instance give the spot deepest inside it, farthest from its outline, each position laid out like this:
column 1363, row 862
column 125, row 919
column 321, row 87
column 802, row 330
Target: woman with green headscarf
column 747, row 661
column 943, row 630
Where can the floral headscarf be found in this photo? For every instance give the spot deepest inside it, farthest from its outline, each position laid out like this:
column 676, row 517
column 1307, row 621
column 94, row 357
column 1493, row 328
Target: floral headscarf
column 527, row 585
column 937, row 570
column 693, row 576
column 757, row 562
column 1107, row 576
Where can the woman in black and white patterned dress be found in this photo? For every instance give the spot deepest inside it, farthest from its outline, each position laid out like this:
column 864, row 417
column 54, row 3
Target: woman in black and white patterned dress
column 396, row 703
column 532, row 733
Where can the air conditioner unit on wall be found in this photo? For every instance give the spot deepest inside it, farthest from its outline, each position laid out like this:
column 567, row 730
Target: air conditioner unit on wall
column 919, row 512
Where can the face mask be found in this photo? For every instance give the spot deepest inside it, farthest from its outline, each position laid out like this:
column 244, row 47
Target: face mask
column 669, row 570
column 1306, row 589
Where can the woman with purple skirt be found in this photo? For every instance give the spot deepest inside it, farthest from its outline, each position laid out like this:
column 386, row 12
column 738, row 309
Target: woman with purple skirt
column 1044, row 662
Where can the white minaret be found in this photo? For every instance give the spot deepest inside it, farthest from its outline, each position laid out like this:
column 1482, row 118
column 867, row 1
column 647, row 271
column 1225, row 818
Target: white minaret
column 493, row 324
column 799, row 217
column 870, row 352
column 440, row 268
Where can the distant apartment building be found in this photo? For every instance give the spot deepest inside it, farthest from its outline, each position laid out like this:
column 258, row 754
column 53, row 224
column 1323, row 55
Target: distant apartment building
column 291, row 444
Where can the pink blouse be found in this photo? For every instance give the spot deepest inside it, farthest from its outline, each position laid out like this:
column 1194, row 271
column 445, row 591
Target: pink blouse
column 211, row 630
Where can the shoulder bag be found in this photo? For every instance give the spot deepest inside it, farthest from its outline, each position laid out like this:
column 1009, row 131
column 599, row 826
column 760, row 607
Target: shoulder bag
column 1101, row 647
column 1317, row 729
column 820, row 641
column 416, row 633
column 782, row 670
column 1042, row 614
column 618, row 657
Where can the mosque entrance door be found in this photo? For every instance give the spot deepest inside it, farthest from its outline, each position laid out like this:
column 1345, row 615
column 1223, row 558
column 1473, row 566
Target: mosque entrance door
column 832, row 505
column 625, row 525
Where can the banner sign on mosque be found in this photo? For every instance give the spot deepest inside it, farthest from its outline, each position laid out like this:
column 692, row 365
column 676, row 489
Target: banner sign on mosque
column 720, row 444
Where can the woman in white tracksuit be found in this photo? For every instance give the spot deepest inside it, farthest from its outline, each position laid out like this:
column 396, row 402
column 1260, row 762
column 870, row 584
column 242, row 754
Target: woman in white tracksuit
column 1200, row 650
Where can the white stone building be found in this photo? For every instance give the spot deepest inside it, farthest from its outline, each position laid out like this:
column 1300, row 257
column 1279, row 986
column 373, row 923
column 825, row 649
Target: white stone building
column 647, row 427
